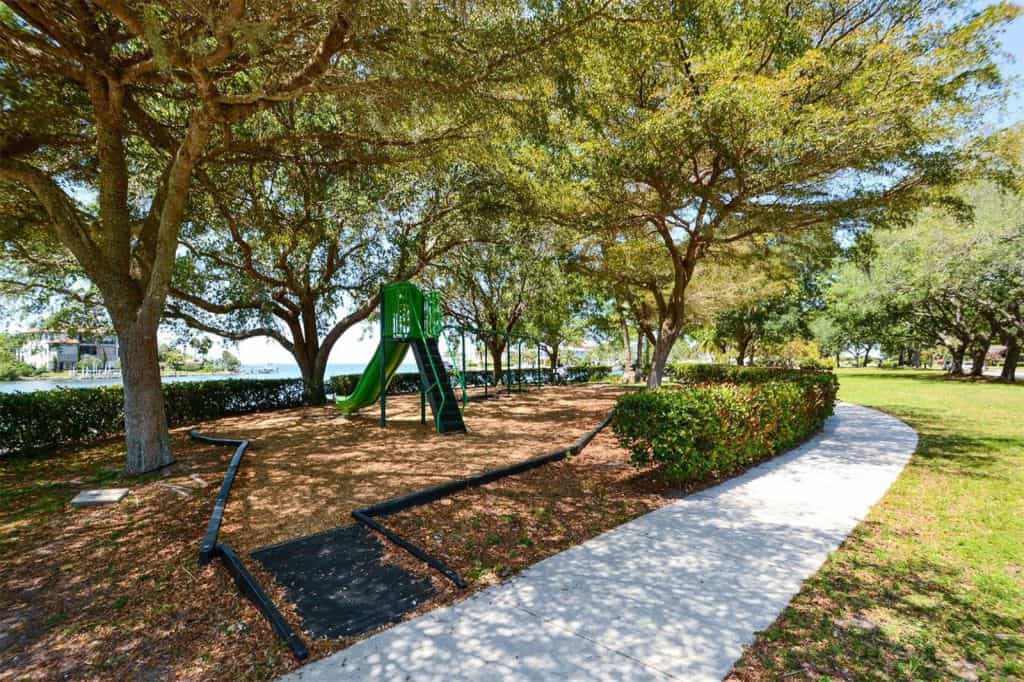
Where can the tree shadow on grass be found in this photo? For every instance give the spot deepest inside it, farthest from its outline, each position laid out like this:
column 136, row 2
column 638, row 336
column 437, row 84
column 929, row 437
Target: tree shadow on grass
column 927, row 376
column 869, row 615
column 943, row 442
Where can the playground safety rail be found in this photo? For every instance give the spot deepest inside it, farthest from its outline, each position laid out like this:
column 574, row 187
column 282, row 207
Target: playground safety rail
column 368, row 514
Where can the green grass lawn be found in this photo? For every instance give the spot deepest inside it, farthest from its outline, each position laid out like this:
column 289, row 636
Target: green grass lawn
column 931, row 585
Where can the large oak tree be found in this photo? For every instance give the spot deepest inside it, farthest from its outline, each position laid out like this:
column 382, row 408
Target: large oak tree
column 297, row 253
column 694, row 126
column 111, row 106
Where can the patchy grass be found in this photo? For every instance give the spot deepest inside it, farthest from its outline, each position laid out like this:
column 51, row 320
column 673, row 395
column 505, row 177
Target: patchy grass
column 931, row 585
column 114, row 592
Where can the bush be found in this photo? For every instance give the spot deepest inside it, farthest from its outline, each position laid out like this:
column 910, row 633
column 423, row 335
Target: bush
column 716, row 374
column 792, row 353
column 713, row 429
column 409, row 382
column 68, row 416
column 11, row 369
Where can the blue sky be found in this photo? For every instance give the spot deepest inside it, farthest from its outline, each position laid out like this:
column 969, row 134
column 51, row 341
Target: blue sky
column 1012, row 64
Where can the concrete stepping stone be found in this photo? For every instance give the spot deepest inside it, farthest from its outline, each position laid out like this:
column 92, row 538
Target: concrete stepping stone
column 99, row 496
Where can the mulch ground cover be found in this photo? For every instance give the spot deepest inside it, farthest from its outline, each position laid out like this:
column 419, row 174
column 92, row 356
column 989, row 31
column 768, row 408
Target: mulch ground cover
column 115, row 593
column 494, row 531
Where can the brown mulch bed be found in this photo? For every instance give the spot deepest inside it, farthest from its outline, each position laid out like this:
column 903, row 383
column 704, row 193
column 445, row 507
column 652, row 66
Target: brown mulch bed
column 497, row 530
column 114, row 592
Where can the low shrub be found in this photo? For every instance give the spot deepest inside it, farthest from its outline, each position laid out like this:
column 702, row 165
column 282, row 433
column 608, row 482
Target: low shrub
column 12, row 369
column 39, row 420
column 716, row 427
column 716, row 374
column 188, row 402
column 409, row 382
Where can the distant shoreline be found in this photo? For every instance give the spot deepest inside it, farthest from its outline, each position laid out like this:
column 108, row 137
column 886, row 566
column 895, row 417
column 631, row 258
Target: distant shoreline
column 278, row 371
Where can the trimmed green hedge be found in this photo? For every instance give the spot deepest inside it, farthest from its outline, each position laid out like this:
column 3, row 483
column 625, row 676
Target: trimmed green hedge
column 714, row 429
column 40, row 420
column 716, row 374
column 409, row 382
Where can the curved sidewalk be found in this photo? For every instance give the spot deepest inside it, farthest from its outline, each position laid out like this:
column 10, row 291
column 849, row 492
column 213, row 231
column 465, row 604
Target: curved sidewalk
column 674, row 594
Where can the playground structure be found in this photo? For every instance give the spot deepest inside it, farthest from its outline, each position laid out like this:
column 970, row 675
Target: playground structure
column 337, row 578
column 411, row 317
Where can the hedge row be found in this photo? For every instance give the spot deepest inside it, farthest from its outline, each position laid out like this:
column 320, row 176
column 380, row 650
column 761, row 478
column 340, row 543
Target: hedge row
column 409, row 382
column 716, row 374
column 714, row 429
column 40, row 420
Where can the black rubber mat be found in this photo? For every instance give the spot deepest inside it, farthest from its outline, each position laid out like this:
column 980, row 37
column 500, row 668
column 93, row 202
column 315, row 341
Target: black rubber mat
column 338, row 584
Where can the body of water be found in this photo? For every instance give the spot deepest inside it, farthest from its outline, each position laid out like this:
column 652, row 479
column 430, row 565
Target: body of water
column 277, row 371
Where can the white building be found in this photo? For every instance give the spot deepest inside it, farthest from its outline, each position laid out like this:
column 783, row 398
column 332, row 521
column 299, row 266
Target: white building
column 56, row 351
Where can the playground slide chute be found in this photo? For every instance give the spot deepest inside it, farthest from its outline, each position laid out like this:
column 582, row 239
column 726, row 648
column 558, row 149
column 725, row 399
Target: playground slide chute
column 369, row 387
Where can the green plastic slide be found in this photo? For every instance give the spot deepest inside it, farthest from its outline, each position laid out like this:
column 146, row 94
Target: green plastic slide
column 368, row 389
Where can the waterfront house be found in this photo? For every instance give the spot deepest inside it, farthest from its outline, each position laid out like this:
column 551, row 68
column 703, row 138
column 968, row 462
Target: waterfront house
column 58, row 351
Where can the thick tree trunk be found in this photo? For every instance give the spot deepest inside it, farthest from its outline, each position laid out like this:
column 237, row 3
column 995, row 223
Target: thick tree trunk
column 627, row 345
column 497, row 351
column 662, row 348
column 741, row 351
column 1009, row 372
column 553, row 356
column 978, row 360
column 145, row 422
column 957, row 368
column 628, row 372
column 639, row 354
column 311, row 371
column 867, row 356
column 313, row 388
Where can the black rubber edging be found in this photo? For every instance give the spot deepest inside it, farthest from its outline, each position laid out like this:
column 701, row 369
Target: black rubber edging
column 248, row 585
column 366, row 515
column 210, row 549
column 207, row 548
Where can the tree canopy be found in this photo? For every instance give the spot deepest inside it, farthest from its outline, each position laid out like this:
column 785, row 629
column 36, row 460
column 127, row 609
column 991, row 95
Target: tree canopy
column 694, row 127
column 112, row 107
column 259, row 169
column 947, row 279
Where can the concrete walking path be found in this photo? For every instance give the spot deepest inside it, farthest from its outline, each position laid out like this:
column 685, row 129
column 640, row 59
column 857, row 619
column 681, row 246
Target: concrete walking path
column 674, row 594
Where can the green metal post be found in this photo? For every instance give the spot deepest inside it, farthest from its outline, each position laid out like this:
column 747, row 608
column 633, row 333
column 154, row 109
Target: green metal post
column 383, row 374
column 423, row 395
column 486, row 380
column 508, row 364
column 462, row 345
column 519, row 370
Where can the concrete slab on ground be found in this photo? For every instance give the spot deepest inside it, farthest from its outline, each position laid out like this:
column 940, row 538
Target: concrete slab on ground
column 94, row 498
column 675, row 594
